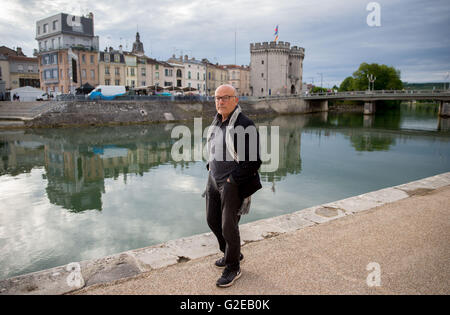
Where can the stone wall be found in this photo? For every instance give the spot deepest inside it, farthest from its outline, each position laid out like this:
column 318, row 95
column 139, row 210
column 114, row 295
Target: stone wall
column 139, row 112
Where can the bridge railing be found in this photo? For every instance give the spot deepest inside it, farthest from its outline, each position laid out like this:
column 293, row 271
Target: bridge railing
column 378, row 92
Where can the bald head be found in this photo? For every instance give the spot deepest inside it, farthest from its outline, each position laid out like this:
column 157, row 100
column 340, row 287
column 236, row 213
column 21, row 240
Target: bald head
column 226, row 100
column 228, row 88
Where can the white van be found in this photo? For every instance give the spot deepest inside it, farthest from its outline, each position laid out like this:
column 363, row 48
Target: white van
column 107, row 92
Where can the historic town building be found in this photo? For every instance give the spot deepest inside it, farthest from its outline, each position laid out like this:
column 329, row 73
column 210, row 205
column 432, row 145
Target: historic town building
column 17, row 70
column 111, row 67
column 68, row 52
column 239, row 78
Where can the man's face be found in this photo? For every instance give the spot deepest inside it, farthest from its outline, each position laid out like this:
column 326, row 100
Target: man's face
column 225, row 101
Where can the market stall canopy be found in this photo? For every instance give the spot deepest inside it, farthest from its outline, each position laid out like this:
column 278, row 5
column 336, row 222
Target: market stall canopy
column 85, row 89
column 27, row 94
column 155, row 88
column 172, row 88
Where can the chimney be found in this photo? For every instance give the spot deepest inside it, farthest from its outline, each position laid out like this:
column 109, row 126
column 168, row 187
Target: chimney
column 19, row 51
column 185, row 57
column 110, row 49
column 120, row 49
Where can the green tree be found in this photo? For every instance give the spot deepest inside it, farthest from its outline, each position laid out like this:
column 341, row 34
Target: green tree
column 318, row 89
column 387, row 78
column 347, row 85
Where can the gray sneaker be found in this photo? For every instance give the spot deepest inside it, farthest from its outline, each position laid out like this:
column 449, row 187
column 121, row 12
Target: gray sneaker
column 220, row 263
column 228, row 277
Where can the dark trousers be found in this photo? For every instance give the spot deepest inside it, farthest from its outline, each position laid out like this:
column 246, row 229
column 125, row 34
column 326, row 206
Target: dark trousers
column 222, row 205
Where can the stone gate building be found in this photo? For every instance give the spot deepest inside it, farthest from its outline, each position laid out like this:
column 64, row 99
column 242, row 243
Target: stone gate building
column 276, row 68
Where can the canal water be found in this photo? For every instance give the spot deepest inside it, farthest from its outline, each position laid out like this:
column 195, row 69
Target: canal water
column 75, row 194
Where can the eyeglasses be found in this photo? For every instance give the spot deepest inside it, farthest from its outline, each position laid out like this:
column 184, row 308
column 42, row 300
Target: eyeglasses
column 224, row 98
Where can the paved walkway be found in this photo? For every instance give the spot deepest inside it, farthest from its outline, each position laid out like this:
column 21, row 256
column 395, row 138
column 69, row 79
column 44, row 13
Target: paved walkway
column 408, row 239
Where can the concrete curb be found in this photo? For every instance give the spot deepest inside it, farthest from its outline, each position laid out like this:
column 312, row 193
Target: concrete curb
column 77, row 275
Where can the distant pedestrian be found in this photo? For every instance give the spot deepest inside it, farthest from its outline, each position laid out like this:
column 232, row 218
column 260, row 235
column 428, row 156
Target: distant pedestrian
column 233, row 177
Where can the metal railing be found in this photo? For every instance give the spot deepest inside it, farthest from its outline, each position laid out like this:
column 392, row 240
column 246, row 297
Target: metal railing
column 379, row 93
column 323, row 95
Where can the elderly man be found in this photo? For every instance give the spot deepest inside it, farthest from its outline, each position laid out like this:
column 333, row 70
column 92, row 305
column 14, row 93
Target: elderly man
column 233, row 145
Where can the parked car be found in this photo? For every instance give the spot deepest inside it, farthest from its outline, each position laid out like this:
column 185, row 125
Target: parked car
column 43, row 97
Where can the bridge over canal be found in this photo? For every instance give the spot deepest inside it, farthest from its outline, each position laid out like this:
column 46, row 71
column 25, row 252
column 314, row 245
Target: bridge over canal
column 371, row 97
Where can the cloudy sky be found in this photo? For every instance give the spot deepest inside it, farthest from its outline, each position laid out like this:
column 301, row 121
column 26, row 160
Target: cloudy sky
column 414, row 35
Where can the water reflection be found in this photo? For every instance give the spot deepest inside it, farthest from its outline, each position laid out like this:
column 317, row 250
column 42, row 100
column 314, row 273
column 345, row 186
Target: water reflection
column 138, row 196
column 78, row 160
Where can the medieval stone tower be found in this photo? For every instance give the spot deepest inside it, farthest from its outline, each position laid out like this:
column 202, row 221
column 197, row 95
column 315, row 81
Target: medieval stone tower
column 276, row 68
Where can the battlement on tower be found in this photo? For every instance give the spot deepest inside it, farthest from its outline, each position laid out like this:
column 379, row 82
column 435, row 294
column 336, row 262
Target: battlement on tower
column 267, row 46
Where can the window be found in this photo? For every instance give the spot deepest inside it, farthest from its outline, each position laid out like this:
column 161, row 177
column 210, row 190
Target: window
column 156, row 67
column 83, row 73
column 198, row 76
column 106, row 69
column 83, row 58
column 59, row 42
column 262, row 62
column 189, row 74
column 116, row 58
column 55, row 25
column 55, row 73
column 92, row 59
column 143, row 72
column 143, row 83
column 157, row 75
column 132, row 73
column 117, row 82
column 262, row 75
column 61, row 74
column 53, row 43
column 117, row 71
column 107, row 82
column 45, row 28
column 106, row 57
column 20, row 68
column 92, row 74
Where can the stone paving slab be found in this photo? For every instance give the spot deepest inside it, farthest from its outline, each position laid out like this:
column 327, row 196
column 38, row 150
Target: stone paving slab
column 71, row 277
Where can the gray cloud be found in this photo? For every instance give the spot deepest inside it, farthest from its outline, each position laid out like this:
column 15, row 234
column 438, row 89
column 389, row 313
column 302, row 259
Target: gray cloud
column 335, row 34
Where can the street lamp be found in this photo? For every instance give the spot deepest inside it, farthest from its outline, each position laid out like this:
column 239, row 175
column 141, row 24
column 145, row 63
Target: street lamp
column 446, row 79
column 371, row 79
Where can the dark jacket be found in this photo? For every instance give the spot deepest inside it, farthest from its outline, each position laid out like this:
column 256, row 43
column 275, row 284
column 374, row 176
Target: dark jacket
column 246, row 173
